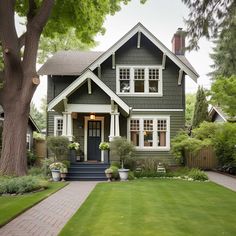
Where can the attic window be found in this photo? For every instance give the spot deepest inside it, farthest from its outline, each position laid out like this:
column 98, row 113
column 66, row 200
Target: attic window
column 139, row 80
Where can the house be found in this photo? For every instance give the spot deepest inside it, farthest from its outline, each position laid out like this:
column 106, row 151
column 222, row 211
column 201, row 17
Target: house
column 216, row 114
column 32, row 127
column 134, row 89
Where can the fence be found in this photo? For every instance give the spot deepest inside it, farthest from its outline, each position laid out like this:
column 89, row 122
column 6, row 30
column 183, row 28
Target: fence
column 40, row 148
column 204, row 159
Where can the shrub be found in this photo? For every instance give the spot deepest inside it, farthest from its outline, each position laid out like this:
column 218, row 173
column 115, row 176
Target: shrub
column 74, row 146
column 121, row 148
column 224, row 142
column 36, row 171
column 131, row 175
column 108, row 171
column 197, row 174
column 115, row 163
column 31, row 158
column 104, row 146
column 21, row 185
column 45, row 165
column 58, row 145
column 115, row 173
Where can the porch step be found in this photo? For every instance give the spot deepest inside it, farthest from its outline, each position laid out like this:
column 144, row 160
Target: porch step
column 87, row 171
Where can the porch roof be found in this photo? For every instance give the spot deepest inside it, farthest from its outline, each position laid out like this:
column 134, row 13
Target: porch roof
column 88, row 74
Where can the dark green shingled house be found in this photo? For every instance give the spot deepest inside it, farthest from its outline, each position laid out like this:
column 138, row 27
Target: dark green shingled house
column 134, row 89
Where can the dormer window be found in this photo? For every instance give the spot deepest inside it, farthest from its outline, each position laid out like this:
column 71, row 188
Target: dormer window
column 139, row 80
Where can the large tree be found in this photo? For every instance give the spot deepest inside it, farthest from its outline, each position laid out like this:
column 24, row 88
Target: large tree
column 200, row 109
column 19, row 77
column 208, row 18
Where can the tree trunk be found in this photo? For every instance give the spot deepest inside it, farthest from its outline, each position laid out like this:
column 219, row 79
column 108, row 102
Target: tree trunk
column 13, row 160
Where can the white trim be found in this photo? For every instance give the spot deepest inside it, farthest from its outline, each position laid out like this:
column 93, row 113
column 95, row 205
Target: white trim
column 89, row 86
column 154, row 118
column 139, row 39
column 113, row 60
column 146, row 92
column 57, row 117
column 81, row 80
column 87, row 108
column 154, row 40
column 217, row 111
column 156, row 110
column 164, row 60
column 86, row 119
column 28, row 136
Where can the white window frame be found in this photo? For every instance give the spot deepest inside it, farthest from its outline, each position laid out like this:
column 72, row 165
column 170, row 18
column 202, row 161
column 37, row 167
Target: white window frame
column 141, row 119
column 56, row 118
column 146, row 80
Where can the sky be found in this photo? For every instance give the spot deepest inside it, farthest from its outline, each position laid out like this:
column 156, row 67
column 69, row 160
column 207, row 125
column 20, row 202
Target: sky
column 161, row 18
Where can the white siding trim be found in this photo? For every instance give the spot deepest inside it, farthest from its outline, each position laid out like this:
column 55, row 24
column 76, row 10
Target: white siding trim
column 155, row 110
column 87, row 108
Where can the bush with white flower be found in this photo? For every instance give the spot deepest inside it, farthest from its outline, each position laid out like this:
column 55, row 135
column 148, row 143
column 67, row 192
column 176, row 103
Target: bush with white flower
column 74, row 146
column 104, row 146
column 57, row 166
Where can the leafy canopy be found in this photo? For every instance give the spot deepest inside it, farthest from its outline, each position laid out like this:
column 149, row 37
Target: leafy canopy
column 223, row 92
column 207, row 18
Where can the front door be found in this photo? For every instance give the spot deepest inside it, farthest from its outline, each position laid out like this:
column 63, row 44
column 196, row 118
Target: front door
column 94, row 139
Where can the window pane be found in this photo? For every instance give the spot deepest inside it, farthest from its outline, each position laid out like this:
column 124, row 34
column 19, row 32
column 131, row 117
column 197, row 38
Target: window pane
column 139, row 86
column 134, row 125
column 139, row 74
column 124, row 73
column 153, row 86
column 59, row 126
column 148, row 137
column 153, row 74
column 124, row 86
column 161, row 125
column 148, row 125
column 135, row 137
column 162, row 139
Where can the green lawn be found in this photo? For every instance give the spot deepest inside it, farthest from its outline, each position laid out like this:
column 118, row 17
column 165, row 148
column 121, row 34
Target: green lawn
column 155, row 207
column 11, row 206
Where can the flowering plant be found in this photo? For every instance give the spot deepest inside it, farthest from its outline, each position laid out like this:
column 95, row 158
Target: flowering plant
column 57, row 166
column 74, row 146
column 104, row 146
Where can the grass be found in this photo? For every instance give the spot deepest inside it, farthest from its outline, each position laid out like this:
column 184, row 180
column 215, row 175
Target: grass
column 12, row 206
column 155, row 207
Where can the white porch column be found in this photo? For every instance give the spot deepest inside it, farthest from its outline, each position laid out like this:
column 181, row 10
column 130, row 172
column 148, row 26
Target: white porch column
column 69, row 127
column 117, row 125
column 112, row 127
column 64, row 127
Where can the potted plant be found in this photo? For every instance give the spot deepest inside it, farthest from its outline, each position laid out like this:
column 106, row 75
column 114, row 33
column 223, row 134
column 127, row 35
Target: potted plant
column 105, row 146
column 63, row 172
column 73, row 147
column 124, row 150
column 55, row 168
column 109, row 173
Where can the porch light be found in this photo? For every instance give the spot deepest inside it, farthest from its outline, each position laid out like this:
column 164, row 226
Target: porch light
column 92, row 117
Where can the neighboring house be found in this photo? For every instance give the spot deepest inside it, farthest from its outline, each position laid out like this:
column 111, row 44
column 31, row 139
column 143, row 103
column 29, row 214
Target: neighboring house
column 32, row 126
column 217, row 115
column 134, row 89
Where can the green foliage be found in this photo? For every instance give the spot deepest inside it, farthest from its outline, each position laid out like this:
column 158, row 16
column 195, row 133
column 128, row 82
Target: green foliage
column 38, row 136
column 58, row 145
column 38, row 116
column 21, row 185
column 45, row 165
column 223, row 94
column 31, row 158
column 104, row 146
column 197, row 174
column 190, row 101
column 36, row 171
column 115, row 163
column 115, row 173
column 109, row 171
column 182, row 143
column 200, row 108
column 224, row 142
column 60, row 42
column 209, row 18
column 121, row 148
column 131, row 175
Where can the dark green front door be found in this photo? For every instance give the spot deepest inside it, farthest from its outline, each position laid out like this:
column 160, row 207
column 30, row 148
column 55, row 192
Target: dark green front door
column 94, row 139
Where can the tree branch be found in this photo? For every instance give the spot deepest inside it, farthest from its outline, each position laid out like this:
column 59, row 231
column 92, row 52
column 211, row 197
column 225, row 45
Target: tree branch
column 32, row 10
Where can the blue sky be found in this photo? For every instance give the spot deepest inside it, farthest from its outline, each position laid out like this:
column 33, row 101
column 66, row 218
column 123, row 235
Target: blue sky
column 162, row 18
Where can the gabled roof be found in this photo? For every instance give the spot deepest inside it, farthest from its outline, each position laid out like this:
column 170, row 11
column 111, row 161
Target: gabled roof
column 182, row 62
column 218, row 110
column 68, row 62
column 78, row 82
column 74, row 62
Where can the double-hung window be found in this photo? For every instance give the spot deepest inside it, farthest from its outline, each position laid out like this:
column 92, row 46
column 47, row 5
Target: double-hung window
column 58, row 125
column 150, row 133
column 139, row 80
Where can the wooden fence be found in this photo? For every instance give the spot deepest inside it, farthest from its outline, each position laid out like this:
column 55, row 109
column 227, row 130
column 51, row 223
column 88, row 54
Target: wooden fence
column 204, row 159
column 40, row 149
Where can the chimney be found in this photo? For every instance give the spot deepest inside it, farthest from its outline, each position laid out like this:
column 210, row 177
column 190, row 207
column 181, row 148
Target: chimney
column 178, row 42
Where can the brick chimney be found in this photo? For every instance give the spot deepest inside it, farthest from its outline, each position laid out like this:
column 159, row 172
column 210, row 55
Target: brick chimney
column 178, row 42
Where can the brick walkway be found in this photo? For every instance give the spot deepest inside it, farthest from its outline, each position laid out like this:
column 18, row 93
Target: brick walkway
column 223, row 180
column 49, row 216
